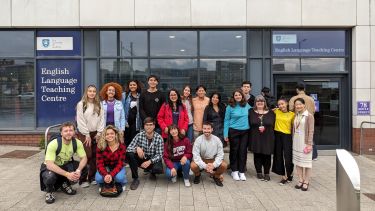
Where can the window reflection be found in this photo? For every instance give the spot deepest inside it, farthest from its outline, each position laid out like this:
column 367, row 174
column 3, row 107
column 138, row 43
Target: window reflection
column 17, row 93
column 175, row 73
column 286, row 65
column 17, row 43
column 323, row 65
column 108, row 43
column 223, row 43
column 133, row 43
column 173, row 43
column 222, row 75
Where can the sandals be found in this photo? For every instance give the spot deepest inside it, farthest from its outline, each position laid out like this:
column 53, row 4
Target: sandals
column 299, row 185
column 303, row 188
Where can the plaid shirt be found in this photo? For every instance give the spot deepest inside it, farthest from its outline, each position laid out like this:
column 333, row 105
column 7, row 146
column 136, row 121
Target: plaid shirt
column 113, row 160
column 153, row 150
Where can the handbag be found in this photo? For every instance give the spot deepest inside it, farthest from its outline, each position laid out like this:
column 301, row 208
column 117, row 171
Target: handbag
column 111, row 189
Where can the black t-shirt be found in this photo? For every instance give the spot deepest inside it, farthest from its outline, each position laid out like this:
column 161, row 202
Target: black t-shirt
column 150, row 103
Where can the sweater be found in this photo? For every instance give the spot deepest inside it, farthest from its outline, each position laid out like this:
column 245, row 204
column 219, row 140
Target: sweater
column 89, row 121
column 180, row 148
column 150, row 103
column 309, row 126
column 210, row 148
column 199, row 106
column 236, row 118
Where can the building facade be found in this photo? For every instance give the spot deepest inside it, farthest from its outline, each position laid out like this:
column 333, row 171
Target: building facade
column 50, row 50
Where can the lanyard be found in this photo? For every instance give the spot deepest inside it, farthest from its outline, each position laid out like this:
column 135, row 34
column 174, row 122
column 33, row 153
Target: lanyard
column 299, row 119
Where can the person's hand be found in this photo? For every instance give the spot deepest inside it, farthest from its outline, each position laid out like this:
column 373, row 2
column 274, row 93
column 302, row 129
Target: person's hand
column 210, row 168
column 146, row 164
column 71, row 176
column 97, row 137
column 108, row 178
column 308, row 148
column 87, row 141
column 140, row 153
column 183, row 160
column 77, row 174
column 182, row 131
column 226, row 139
column 127, row 125
column 173, row 172
column 166, row 130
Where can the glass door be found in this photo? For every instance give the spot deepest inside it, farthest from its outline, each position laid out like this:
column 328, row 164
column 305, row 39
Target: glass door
column 328, row 105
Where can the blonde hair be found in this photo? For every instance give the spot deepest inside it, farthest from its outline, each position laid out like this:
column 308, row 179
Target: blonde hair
column 97, row 105
column 102, row 143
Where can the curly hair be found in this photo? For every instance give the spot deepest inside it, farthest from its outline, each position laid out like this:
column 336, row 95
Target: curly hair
column 118, row 91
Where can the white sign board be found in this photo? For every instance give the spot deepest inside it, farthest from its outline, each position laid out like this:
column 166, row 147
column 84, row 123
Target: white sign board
column 54, row 43
column 284, row 39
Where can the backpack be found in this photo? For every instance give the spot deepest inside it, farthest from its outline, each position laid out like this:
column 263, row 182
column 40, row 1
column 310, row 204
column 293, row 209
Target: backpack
column 59, row 143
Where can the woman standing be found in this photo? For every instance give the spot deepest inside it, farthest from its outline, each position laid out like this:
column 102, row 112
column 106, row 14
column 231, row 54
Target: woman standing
column 114, row 114
column 173, row 112
column 262, row 123
column 90, row 124
column 303, row 132
column 130, row 100
column 186, row 99
column 177, row 155
column 236, row 126
column 215, row 113
column 283, row 155
column 110, row 157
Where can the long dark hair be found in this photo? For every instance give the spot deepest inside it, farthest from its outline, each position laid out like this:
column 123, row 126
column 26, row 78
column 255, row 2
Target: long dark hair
column 178, row 102
column 139, row 86
column 220, row 104
column 232, row 102
column 170, row 139
column 189, row 98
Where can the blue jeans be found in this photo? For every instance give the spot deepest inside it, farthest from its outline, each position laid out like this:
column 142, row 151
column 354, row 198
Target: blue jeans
column 177, row 165
column 119, row 178
column 190, row 133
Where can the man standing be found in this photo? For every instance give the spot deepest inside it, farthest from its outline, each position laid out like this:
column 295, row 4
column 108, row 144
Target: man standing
column 310, row 106
column 199, row 104
column 146, row 151
column 208, row 155
column 151, row 100
column 59, row 169
column 246, row 89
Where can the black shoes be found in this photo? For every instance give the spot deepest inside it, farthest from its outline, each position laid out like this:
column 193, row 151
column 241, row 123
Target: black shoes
column 152, row 176
column 218, row 182
column 305, row 186
column 267, row 177
column 66, row 188
column 134, row 184
column 283, row 181
column 299, row 185
column 197, row 179
column 50, row 198
column 260, row 176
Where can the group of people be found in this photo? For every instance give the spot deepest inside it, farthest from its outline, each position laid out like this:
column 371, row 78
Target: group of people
column 141, row 128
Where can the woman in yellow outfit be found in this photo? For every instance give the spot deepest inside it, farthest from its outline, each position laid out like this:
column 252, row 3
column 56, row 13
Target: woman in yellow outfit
column 283, row 155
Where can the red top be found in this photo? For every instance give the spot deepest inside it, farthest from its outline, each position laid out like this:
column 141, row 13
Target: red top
column 165, row 118
column 180, row 148
column 113, row 160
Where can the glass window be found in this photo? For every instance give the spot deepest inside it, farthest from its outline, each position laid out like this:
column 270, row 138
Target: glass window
column 223, row 43
column 91, row 73
column 175, row 73
column 323, row 64
column 286, row 65
column 17, row 96
column 255, row 43
column 108, row 43
column 133, row 43
column 256, row 76
column 17, row 44
column 133, row 69
column 90, row 43
column 222, row 75
column 108, row 71
column 173, row 43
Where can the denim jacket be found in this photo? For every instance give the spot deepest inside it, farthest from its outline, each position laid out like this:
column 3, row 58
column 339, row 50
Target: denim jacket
column 119, row 114
column 126, row 103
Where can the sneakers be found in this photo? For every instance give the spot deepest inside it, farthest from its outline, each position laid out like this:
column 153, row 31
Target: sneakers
column 174, row 179
column 187, row 183
column 218, row 182
column 134, row 184
column 235, row 175
column 197, row 179
column 94, row 182
column 267, row 177
column 50, row 198
column 123, row 188
column 315, row 159
column 152, row 176
column 66, row 188
column 85, row 184
column 290, row 179
column 242, row 176
column 191, row 172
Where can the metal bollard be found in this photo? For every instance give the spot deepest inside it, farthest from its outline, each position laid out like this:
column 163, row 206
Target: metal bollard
column 348, row 182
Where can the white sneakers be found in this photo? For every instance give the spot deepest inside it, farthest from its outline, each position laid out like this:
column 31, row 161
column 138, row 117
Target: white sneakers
column 238, row 176
column 235, row 176
column 85, row 184
column 174, row 179
column 187, row 183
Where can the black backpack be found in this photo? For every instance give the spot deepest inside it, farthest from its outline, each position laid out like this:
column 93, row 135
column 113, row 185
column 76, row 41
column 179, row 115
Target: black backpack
column 59, row 143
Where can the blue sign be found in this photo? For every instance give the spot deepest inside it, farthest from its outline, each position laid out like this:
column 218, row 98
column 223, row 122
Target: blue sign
column 58, row 43
column 308, row 43
column 58, row 91
column 363, row 108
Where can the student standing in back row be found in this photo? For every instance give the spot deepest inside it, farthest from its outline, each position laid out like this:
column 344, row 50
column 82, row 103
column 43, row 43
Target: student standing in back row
column 151, row 100
column 199, row 104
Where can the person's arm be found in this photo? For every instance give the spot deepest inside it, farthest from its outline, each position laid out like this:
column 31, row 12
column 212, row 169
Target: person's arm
column 220, row 154
column 122, row 117
column 161, row 117
column 142, row 112
column 310, row 130
column 197, row 156
column 291, row 104
column 205, row 114
column 188, row 149
column 81, row 122
column 167, row 161
column 158, row 150
column 133, row 144
column 226, row 121
column 100, row 163
column 185, row 119
column 101, row 124
column 126, row 108
column 120, row 162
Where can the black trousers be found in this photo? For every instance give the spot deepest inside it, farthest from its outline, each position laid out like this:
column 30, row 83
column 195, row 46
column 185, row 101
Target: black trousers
column 52, row 181
column 283, row 155
column 262, row 160
column 135, row 162
column 130, row 133
column 238, row 149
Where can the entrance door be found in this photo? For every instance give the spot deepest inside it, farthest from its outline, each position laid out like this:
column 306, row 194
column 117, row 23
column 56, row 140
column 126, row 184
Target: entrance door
column 327, row 94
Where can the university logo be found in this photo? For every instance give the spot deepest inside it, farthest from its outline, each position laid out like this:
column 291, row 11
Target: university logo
column 278, row 38
column 45, row 43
